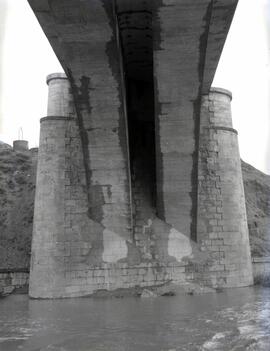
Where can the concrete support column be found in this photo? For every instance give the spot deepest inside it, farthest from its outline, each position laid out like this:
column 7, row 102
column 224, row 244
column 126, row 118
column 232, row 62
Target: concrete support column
column 178, row 63
column 70, row 236
column 20, row 145
column 60, row 101
column 47, row 273
column 222, row 222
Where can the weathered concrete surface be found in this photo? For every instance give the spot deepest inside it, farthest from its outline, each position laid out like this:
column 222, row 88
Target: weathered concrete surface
column 222, row 221
column 84, row 37
column 61, row 234
column 123, row 220
column 162, row 253
column 73, row 255
column 188, row 40
column 221, row 13
column 17, row 192
column 257, row 187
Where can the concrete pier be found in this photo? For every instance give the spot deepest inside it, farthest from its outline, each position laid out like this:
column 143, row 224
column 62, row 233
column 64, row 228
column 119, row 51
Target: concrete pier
column 222, row 220
column 127, row 194
column 51, row 201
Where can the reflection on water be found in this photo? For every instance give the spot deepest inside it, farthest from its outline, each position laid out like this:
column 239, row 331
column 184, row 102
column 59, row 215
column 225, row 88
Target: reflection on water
column 234, row 320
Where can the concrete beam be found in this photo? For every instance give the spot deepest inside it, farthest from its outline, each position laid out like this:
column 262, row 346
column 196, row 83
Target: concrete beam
column 84, row 37
column 188, row 39
column 222, row 12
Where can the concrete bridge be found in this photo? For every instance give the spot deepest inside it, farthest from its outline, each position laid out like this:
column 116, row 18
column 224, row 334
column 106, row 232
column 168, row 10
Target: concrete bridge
column 139, row 178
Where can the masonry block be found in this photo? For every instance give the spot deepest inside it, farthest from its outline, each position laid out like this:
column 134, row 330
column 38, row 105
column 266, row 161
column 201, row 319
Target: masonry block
column 228, row 232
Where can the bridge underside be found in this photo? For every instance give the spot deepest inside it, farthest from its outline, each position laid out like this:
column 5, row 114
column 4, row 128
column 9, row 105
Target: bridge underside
column 137, row 71
column 144, row 65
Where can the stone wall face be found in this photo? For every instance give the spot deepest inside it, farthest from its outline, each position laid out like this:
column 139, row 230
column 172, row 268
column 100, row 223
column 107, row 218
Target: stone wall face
column 77, row 253
column 59, row 240
column 136, row 71
column 59, row 101
column 177, row 59
column 74, row 254
column 222, row 223
column 71, row 256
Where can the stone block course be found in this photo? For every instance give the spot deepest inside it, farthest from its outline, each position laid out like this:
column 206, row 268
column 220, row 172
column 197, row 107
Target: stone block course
column 91, row 234
column 227, row 229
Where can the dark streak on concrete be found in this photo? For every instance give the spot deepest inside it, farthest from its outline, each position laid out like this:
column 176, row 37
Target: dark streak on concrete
column 94, row 193
column 82, row 100
column 157, row 4
column 158, row 112
column 196, row 118
column 194, row 172
column 113, row 50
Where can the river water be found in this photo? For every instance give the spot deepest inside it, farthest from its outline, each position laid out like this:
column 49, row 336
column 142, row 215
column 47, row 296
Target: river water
column 233, row 320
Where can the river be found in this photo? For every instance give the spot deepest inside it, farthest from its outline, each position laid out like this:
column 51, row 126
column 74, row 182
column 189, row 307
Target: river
column 232, row 320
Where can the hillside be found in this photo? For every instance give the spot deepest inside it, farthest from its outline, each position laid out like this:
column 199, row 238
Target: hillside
column 257, row 192
column 17, row 191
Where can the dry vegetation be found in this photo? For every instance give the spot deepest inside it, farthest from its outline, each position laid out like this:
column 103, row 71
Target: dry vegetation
column 257, row 192
column 17, row 189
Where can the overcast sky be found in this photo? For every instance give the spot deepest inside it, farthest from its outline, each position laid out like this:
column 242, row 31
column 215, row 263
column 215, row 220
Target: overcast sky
column 26, row 58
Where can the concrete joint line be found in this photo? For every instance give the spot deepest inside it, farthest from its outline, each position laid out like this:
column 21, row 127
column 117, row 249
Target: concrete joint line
column 232, row 130
column 56, row 118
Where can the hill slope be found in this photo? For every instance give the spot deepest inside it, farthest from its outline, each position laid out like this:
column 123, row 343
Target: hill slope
column 257, row 192
column 17, row 192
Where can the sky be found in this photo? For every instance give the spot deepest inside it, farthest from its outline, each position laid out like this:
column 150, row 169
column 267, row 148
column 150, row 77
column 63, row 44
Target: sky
column 26, row 58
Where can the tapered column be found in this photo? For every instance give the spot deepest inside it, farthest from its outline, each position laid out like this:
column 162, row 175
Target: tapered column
column 222, row 222
column 52, row 231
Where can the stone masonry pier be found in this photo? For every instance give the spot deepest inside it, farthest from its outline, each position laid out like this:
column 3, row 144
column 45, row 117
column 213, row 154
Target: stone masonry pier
column 139, row 180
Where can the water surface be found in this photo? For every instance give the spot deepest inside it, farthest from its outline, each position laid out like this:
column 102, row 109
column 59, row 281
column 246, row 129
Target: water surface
column 233, row 320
